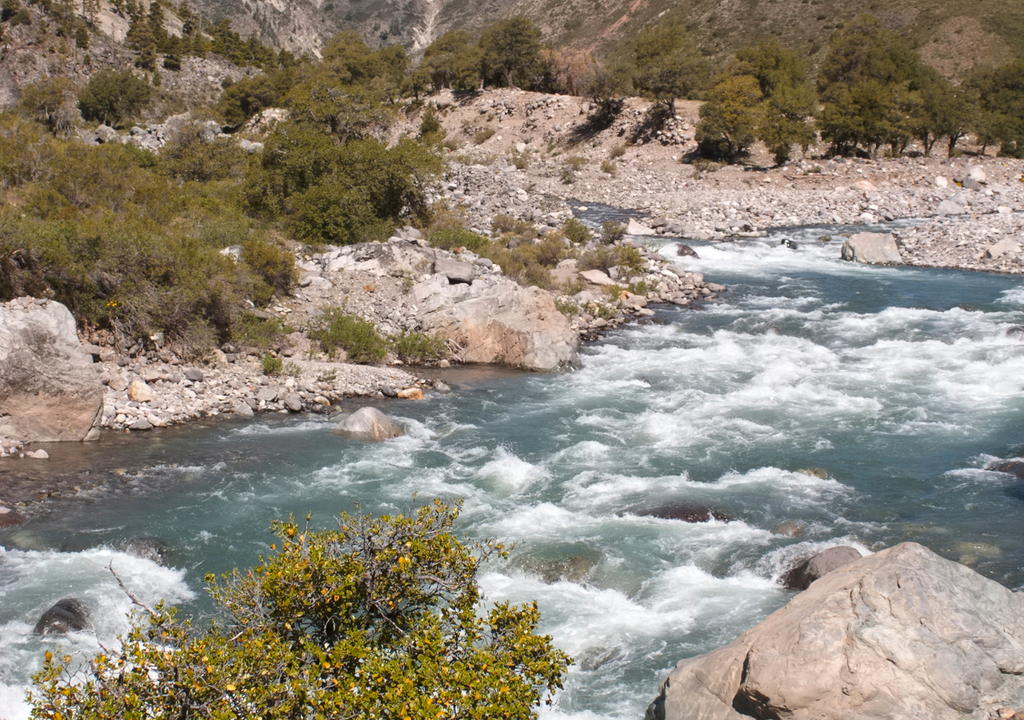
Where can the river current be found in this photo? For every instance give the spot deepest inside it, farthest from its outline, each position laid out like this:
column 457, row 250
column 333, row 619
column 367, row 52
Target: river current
column 858, row 403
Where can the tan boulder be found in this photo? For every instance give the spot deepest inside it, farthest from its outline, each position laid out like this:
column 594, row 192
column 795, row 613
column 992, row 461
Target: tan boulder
column 139, row 391
column 49, row 388
column 897, row 635
column 369, row 423
column 872, row 249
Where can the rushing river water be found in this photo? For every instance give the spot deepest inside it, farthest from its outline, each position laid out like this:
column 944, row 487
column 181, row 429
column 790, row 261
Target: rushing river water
column 889, row 388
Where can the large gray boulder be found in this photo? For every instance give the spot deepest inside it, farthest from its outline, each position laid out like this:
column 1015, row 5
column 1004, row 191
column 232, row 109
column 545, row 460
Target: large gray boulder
column 872, row 249
column 494, row 320
column 902, row 634
column 66, row 615
column 49, row 389
column 369, row 423
column 818, row 566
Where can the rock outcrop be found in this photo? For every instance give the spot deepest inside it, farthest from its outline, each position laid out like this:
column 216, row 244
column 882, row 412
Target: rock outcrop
column 872, row 249
column 369, row 423
column 900, row 634
column 494, row 320
column 49, row 388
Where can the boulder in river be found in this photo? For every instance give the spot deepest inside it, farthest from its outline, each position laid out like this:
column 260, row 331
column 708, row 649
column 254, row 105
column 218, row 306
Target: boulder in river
column 369, row 423
column 903, row 633
column 66, row 615
column 684, row 512
column 686, row 251
column 800, row 576
column 872, row 249
column 1013, row 466
column 636, row 228
column 49, row 389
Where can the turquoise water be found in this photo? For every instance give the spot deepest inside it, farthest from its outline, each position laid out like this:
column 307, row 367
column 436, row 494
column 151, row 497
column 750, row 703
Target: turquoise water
column 889, row 388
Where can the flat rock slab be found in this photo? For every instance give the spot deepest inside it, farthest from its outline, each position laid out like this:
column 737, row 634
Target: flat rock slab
column 872, row 249
column 635, row 228
column 902, row 634
column 49, row 389
column 455, row 271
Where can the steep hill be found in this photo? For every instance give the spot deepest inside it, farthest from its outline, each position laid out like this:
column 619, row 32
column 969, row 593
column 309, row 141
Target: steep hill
column 951, row 34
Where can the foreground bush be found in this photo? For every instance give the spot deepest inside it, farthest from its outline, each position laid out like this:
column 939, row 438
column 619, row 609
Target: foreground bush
column 378, row 618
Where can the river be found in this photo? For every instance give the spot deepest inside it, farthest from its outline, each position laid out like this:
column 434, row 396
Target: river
column 858, row 403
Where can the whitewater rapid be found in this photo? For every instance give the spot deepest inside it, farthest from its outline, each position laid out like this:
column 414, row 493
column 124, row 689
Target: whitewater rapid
column 858, row 403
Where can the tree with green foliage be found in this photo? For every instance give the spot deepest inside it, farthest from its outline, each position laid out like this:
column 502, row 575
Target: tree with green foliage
column 511, row 47
column 870, row 84
column 1000, row 116
column 668, row 64
column 376, row 618
column 142, row 40
column 730, row 118
column 52, row 103
column 250, row 96
column 453, row 61
column 392, row 68
column 190, row 156
column 113, row 97
column 788, row 97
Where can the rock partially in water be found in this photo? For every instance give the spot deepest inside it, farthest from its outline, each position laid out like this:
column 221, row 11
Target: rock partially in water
column 872, row 249
column 903, row 633
column 149, row 548
column 1013, row 466
column 369, row 423
column 788, row 528
column 596, row 658
column 10, row 518
column 686, row 251
column 66, row 615
column 684, row 512
column 801, row 575
column 574, row 568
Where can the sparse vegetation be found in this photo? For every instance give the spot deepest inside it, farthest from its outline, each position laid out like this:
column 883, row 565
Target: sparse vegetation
column 609, row 167
column 419, row 348
column 272, row 365
column 337, row 330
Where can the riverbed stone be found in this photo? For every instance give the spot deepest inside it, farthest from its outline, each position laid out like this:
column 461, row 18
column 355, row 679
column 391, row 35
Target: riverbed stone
column 193, row 374
column 64, row 616
column 633, row 227
column 1006, row 246
column 140, row 392
column 243, row 410
column 49, row 388
column 800, row 576
column 902, row 633
column 293, row 402
column 872, row 249
column 369, row 423
column 597, row 277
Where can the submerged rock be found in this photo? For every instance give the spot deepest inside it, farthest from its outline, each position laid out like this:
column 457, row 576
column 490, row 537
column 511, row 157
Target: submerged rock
column 684, row 512
column 570, row 569
column 872, row 249
column 819, row 565
column 1013, row 466
column 149, row 548
column 66, row 615
column 369, row 423
column 903, row 633
column 49, row 389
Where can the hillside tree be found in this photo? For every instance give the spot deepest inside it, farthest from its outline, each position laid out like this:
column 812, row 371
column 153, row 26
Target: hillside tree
column 511, row 48
column 668, row 64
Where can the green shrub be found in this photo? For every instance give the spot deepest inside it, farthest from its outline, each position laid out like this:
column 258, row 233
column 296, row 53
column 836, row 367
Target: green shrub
column 453, row 238
column 521, row 160
column 272, row 264
column 617, row 151
column 609, row 167
column 272, row 365
column 190, row 157
column 612, row 232
column 631, row 259
column 113, row 97
column 335, row 330
column 418, row 348
column 568, row 177
column 575, row 162
column 502, row 224
column 374, row 618
column 257, row 332
column 576, row 231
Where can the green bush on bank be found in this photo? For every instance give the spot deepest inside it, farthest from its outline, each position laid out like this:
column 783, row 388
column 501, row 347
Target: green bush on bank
column 337, row 330
column 376, row 618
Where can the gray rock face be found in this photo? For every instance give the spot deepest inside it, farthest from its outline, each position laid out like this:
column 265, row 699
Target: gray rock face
column 369, row 423
column 49, row 389
column 902, row 634
column 872, row 249
column 949, row 207
column 817, row 566
column 455, row 271
column 65, row 615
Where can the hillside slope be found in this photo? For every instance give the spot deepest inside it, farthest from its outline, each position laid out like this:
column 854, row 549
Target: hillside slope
column 951, row 34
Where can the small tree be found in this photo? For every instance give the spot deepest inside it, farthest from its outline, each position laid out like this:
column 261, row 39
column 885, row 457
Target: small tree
column 730, row 118
column 452, row 61
column 113, row 97
column 51, row 102
column 511, row 47
column 378, row 618
column 668, row 64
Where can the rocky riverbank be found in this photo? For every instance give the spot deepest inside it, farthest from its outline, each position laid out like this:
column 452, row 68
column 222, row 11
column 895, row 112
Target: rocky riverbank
column 528, row 155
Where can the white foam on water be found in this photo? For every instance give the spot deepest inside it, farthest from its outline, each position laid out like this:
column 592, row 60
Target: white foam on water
column 32, row 581
column 1014, row 296
column 775, row 564
column 264, row 428
column 507, row 473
